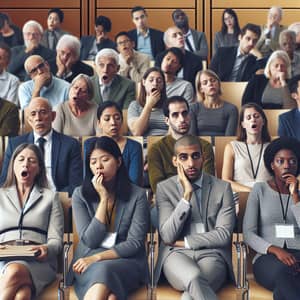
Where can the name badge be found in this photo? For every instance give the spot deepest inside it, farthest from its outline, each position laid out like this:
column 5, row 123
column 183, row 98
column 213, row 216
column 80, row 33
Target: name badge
column 198, row 227
column 284, row 231
column 110, row 240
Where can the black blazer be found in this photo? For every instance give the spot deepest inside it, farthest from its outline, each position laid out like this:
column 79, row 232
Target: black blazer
column 156, row 37
column 223, row 61
column 15, row 40
column 192, row 64
column 66, row 160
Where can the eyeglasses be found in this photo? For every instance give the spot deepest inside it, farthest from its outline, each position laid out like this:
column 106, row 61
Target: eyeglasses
column 123, row 42
column 39, row 66
column 33, row 34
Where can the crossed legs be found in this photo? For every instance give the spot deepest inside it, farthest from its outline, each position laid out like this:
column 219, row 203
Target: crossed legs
column 99, row 291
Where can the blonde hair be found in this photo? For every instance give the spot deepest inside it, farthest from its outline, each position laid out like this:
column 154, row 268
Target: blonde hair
column 282, row 55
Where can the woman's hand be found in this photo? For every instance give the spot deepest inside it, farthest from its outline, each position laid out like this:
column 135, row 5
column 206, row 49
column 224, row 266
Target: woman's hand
column 293, row 184
column 153, row 98
column 97, row 182
column 44, row 252
column 282, row 255
column 282, row 78
column 82, row 264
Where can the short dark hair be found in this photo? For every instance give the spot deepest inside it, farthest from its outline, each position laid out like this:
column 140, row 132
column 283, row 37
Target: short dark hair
column 173, row 99
column 251, row 27
column 138, row 8
column 105, row 22
column 107, row 104
column 6, row 48
column 59, row 13
column 187, row 140
column 293, row 84
column 176, row 51
column 122, row 33
column 3, row 18
column 236, row 26
column 278, row 144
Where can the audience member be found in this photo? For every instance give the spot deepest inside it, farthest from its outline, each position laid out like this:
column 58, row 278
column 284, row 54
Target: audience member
column 196, row 220
column 112, row 219
column 177, row 117
column 243, row 164
column 108, row 85
column 78, row 115
column 9, row 118
column 31, row 215
column 287, row 43
column 133, row 64
column 289, row 122
column 145, row 115
column 271, row 221
column 54, row 32
column 191, row 64
column 230, row 31
column 92, row 44
column 42, row 83
column 213, row 116
column 269, row 90
column 110, row 120
column 32, row 33
column 68, row 64
column 10, row 34
column 9, row 83
column 296, row 28
column 195, row 41
column 172, row 61
column 268, row 41
column 237, row 63
column 62, row 154
column 147, row 40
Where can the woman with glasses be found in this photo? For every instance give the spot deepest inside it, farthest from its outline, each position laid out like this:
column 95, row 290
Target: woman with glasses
column 78, row 115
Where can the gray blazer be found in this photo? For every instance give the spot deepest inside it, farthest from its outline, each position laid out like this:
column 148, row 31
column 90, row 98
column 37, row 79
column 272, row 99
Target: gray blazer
column 42, row 222
column 200, row 43
column 218, row 216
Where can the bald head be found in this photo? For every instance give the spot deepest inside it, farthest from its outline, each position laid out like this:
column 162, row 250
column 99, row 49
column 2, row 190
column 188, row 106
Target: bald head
column 187, row 140
column 35, row 65
column 173, row 37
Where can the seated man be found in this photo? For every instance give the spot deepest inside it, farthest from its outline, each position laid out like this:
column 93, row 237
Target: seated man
column 62, row 154
column 196, row 220
column 108, row 85
column 68, row 65
column 146, row 40
column 237, row 63
column 9, row 83
column 133, row 64
column 32, row 33
column 92, row 44
column 195, row 41
column 54, row 32
column 42, row 83
column 191, row 64
column 9, row 118
column 289, row 122
column 177, row 117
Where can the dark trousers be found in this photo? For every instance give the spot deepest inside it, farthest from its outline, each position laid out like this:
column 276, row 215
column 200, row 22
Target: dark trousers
column 275, row 276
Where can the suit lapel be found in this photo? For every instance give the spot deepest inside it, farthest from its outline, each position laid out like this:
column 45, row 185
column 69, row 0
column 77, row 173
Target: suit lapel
column 34, row 196
column 119, row 214
column 114, row 88
column 13, row 197
column 205, row 196
column 56, row 144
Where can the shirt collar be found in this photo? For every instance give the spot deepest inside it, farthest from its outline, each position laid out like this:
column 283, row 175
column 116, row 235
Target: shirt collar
column 47, row 137
column 140, row 34
column 4, row 75
column 189, row 33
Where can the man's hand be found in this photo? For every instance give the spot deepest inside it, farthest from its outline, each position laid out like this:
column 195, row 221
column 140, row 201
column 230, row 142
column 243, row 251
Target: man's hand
column 41, row 80
column 31, row 46
column 186, row 185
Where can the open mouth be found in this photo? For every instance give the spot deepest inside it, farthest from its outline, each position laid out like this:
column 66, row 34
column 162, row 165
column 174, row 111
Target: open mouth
column 153, row 90
column 24, row 174
column 253, row 126
column 105, row 77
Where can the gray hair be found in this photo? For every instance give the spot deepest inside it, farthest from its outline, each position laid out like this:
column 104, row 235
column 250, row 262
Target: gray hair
column 88, row 82
column 282, row 55
column 278, row 8
column 107, row 52
column 33, row 24
column 287, row 33
column 69, row 41
column 31, row 57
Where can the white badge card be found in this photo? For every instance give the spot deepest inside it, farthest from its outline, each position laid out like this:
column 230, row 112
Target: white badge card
column 110, row 240
column 199, row 227
column 284, row 231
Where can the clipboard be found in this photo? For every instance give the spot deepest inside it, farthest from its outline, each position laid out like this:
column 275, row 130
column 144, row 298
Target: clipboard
column 22, row 252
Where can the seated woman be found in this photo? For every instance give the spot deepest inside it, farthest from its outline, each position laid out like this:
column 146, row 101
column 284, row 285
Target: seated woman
column 145, row 115
column 78, row 115
column 31, row 214
column 213, row 116
column 10, row 34
column 269, row 90
column 229, row 34
column 110, row 120
column 272, row 221
column 112, row 218
column 243, row 159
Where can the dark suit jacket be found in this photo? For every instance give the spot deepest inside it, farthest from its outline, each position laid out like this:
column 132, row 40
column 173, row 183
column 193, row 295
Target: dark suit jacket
column 78, row 68
column 15, row 40
column 289, row 124
column 87, row 42
column 200, row 43
column 192, row 64
column 223, row 61
column 45, row 41
column 66, row 160
column 122, row 91
column 18, row 57
column 156, row 37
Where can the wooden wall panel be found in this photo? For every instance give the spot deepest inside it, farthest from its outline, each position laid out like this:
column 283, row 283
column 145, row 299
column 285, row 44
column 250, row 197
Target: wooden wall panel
column 159, row 19
column 255, row 3
column 39, row 3
column 146, row 3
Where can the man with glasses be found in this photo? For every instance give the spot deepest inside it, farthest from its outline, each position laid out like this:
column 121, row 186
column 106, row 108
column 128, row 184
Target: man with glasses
column 32, row 33
column 133, row 64
column 42, row 83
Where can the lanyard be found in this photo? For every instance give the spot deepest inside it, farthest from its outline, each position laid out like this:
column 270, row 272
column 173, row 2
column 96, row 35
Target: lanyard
column 254, row 173
column 109, row 216
column 284, row 211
